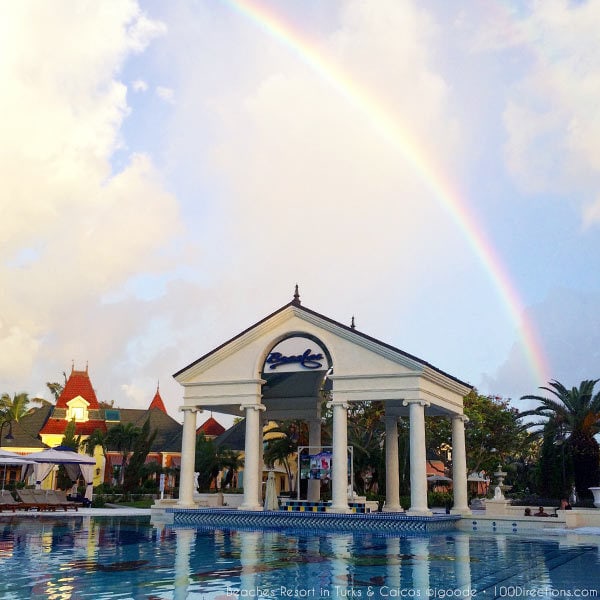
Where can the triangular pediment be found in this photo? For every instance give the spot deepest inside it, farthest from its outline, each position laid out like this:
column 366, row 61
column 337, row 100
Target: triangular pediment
column 242, row 357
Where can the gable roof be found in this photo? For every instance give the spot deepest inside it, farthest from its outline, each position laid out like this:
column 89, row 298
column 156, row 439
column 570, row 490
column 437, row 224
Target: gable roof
column 25, row 430
column 78, row 384
column 349, row 331
column 211, row 427
column 233, row 438
column 168, row 430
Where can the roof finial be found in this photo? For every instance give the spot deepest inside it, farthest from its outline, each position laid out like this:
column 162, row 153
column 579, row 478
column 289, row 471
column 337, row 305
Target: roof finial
column 352, row 325
column 296, row 299
column 86, row 366
column 158, row 385
column 72, row 365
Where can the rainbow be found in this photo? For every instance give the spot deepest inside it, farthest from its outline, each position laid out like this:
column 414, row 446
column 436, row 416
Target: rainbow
column 415, row 155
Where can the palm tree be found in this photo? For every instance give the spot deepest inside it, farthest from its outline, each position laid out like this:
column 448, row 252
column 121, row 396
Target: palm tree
column 96, row 438
column 121, row 438
column 576, row 415
column 13, row 409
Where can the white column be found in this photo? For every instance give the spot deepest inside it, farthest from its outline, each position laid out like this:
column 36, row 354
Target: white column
column 462, row 565
column 419, row 548
column 314, row 441
column 252, row 457
column 188, row 457
column 459, row 466
column 250, row 559
column 418, row 458
column 339, row 467
column 261, row 458
column 184, row 542
column 392, row 466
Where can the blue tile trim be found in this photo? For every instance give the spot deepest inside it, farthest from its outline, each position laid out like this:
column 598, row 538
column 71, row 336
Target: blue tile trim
column 371, row 522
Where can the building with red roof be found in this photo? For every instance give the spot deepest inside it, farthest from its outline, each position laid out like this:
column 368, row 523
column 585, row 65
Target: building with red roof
column 77, row 402
column 211, row 428
column 157, row 402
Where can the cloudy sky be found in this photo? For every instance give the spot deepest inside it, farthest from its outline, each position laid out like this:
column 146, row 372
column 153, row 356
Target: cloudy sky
column 171, row 170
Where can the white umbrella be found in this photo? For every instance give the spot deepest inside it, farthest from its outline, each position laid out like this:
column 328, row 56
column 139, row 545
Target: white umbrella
column 11, row 458
column 10, row 454
column 15, row 460
column 271, row 501
column 73, row 461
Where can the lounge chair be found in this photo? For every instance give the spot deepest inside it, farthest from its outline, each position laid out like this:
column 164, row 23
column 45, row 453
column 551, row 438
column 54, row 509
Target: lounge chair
column 58, row 499
column 7, row 502
column 32, row 502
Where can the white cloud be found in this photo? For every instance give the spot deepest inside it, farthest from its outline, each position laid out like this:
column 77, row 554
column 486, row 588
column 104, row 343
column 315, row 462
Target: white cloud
column 139, row 85
column 166, row 94
column 552, row 118
column 71, row 227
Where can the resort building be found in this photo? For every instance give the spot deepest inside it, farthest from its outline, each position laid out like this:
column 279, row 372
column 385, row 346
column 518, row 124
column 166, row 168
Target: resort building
column 77, row 403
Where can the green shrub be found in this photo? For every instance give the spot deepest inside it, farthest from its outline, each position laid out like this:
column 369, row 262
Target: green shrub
column 98, row 501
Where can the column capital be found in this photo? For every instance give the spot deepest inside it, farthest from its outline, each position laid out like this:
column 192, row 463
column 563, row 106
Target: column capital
column 193, row 409
column 342, row 403
column 260, row 407
column 418, row 401
column 462, row 418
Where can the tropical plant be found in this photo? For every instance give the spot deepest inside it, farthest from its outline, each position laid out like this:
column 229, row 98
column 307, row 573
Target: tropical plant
column 70, row 440
column 141, row 447
column 211, row 459
column 96, row 438
column 576, row 417
column 121, row 438
column 280, row 448
column 13, row 409
column 554, row 468
column 366, row 434
column 55, row 389
column 494, row 435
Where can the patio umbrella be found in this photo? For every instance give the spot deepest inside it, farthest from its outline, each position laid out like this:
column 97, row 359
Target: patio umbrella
column 10, row 454
column 73, row 462
column 11, row 458
column 438, row 479
column 271, row 502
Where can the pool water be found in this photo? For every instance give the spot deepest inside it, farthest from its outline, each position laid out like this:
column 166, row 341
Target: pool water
column 106, row 558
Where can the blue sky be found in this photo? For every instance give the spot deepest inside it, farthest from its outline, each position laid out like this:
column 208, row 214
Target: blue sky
column 171, row 171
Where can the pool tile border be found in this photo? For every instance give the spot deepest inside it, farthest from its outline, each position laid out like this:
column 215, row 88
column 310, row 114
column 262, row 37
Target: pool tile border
column 372, row 522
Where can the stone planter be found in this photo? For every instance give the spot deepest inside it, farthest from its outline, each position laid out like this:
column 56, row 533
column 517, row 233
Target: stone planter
column 596, row 492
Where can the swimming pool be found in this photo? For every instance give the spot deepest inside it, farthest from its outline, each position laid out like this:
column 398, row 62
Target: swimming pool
column 107, row 558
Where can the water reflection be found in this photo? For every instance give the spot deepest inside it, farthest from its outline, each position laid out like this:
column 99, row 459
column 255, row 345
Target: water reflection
column 79, row 557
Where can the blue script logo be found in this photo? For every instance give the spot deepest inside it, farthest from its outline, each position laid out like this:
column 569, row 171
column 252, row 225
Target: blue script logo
column 307, row 360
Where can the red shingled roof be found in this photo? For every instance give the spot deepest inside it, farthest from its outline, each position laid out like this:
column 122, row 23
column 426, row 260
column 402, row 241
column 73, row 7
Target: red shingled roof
column 58, row 426
column 211, row 427
column 157, row 402
column 79, row 384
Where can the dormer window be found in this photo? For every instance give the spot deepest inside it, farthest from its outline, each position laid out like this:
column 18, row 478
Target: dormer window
column 77, row 409
column 78, row 413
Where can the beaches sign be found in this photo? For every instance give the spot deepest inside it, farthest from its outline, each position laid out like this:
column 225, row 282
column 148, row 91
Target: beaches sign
column 292, row 354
